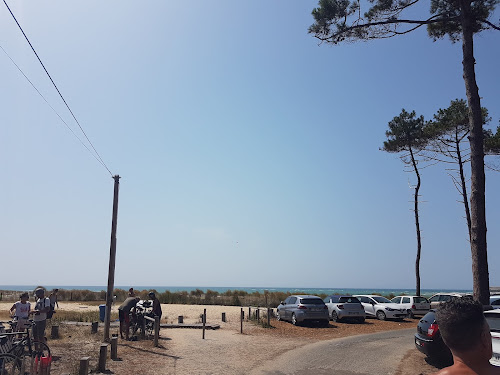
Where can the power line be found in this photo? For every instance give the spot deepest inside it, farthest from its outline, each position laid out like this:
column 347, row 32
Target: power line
column 67, row 106
column 39, row 93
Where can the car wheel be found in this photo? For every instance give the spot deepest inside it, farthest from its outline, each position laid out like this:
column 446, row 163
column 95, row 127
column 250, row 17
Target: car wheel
column 381, row 315
column 278, row 317
column 294, row 319
column 410, row 314
column 335, row 317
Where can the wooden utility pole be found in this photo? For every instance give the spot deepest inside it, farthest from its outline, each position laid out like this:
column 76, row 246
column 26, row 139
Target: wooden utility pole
column 112, row 261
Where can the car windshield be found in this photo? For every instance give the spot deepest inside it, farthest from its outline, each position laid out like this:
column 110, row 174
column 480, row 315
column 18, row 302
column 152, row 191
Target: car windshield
column 419, row 300
column 379, row 299
column 349, row 300
column 312, row 301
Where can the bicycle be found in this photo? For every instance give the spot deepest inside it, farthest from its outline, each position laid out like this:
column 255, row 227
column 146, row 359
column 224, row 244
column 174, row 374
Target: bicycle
column 137, row 320
column 24, row 354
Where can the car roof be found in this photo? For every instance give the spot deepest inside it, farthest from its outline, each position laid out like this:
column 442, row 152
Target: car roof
column 367, row 295
column 452, row 294
column 304, row 296
column 408, row 296
column 340, row 295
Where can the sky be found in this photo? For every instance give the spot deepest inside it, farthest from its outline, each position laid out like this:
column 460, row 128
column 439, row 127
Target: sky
column 249, row 154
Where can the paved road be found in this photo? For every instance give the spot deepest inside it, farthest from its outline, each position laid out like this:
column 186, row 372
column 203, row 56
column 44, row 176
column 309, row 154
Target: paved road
column 374, row 354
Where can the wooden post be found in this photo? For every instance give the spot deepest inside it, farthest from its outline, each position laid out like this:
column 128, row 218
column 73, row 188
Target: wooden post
column 114, row 348
column 249, row 313
column 204, row 321
column 180, row 319
column 103, row 354
column 241, row 320
column 224, row 317
column 257, row 314
column 143, row 329
column 84, row 366
column 54, row 332
column 112, row 261
column 94, row 327
column 157, row 330
column 268, row 317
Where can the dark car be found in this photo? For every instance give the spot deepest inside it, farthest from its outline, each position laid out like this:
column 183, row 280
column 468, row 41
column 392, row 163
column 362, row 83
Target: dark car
column 302, row 308
column 428, row 339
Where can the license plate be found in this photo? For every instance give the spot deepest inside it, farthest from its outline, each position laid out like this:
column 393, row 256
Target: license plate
column 418, row 342
column 352, row 313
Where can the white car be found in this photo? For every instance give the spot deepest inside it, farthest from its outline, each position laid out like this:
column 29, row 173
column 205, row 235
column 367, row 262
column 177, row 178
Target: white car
column 414, row 305
column 439, row 298
column 495, row 301
column 493, row 319
column 381, row 307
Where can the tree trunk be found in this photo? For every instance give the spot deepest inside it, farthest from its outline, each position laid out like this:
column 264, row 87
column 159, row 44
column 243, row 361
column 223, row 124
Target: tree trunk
column 463, row 184
column 479, row 253
column 417, row 225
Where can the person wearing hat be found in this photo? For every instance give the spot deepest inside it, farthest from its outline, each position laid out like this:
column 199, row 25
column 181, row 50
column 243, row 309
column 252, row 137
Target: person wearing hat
column 156, row 304
column 40, row 314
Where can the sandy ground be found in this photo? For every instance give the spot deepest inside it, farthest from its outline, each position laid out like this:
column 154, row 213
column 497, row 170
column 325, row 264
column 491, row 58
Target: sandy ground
column 223, row 351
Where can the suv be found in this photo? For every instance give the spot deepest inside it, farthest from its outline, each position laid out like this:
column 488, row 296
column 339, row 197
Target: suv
column 439, row 298
column 301, row 308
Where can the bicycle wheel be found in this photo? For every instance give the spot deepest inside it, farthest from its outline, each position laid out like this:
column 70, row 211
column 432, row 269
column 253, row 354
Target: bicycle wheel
column 10, row 365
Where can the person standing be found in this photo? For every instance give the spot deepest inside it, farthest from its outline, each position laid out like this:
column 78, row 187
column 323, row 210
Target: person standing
column 156, row 304
column 42, row 306
column 123, row 314
column 53, row 303
column 22, row 311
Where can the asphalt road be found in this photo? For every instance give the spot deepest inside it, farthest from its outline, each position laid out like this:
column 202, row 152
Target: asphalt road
column 374, row 354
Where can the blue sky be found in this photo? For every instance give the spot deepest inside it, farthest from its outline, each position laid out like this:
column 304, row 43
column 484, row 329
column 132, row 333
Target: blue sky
column 249, row 154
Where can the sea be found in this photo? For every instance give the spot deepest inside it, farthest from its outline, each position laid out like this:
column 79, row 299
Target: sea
column 292, row 290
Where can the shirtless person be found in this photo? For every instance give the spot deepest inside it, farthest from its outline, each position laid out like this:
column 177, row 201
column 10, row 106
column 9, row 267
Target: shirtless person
column 465, row 330
column 123, row 314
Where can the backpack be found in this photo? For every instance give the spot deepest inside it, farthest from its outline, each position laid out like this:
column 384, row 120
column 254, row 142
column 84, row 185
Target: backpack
column 50, row 312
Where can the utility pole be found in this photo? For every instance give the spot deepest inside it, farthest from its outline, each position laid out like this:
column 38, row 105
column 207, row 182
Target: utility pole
column 112, row 261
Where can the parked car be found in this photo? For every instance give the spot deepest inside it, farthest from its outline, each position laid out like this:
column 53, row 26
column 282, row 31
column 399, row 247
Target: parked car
column 301, row 308
column 439, row 298
column 381, row 307
column 428, row 339
column 414, row 305
column 345, row 307
column 495, row 301
column 493, row 319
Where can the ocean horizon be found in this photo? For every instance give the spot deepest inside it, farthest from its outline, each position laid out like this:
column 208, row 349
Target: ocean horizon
column 292, row 290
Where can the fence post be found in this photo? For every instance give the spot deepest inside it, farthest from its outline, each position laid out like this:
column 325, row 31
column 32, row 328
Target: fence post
column 257, row 314
column 94, row 327
column 224, row 317
column 268, row 317
column 84, row 366
column 180, row 319
column 241, row 320
column 204, row 321
column 114, row 348
column 143, row 329
column 249, row 313
column 157, row 330
column 54, row 332
column 103, row 354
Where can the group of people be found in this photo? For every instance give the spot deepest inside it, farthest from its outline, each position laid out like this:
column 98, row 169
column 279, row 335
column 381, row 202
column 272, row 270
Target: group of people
column 129, row 305
column 44, row 308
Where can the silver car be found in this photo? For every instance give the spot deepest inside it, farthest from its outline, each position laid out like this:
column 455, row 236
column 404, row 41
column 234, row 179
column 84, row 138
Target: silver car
column 300, row 308
column 414, row 305
column 345, row 307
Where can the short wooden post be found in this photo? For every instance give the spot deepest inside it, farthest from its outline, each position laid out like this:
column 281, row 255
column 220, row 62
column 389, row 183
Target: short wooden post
column 84, row 366
column 157, row 330
column 257, row 314
column 180, row 319
column 224, row 317
column 94, row 327
column 114, row 348
column 54, row 332
column 143, row 329
column 103, row 354
column 268, row 317
column 242, row 315
column 204, row 321
column 249, row 313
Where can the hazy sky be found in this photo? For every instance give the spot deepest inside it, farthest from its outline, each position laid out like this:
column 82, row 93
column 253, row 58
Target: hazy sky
column 249, row 154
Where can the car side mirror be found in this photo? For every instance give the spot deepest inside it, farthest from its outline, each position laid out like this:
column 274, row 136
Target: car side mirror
column 282, row 303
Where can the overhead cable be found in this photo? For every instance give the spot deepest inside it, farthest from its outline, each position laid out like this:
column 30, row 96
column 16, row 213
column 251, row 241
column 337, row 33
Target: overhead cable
column 53, row 83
